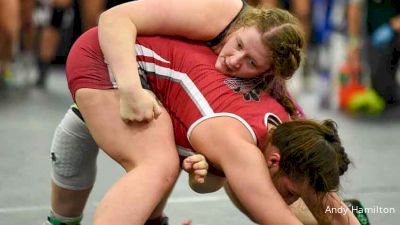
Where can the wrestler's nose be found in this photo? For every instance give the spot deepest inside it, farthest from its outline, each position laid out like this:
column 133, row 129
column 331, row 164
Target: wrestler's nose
column 236, row 59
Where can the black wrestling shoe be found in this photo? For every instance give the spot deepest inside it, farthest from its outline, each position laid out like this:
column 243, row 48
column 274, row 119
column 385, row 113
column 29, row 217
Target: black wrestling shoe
column 158, row 221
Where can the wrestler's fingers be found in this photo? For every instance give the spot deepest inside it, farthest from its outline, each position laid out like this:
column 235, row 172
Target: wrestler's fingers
column 202, row 173
column 202, row 165
column 187, row 164
column 147, row 117
column 157, row 110
column 197, row 158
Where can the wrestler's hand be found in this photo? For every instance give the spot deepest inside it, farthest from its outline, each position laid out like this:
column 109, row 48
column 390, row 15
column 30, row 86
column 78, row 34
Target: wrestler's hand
column 139, row 105
column 197, row 167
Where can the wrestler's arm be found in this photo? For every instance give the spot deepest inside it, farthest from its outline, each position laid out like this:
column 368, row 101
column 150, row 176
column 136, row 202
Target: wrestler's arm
column 333, row 201
column 235, row 201
column 228, row 145
column 119, row 26
column 200, row 180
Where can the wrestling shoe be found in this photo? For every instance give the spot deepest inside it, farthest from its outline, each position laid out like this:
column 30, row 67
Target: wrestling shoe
column 158, row 221
column 51, row 220
column 358, row 210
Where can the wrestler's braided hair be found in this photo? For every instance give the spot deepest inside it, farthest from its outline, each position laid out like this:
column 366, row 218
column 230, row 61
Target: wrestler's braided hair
column 283, row 36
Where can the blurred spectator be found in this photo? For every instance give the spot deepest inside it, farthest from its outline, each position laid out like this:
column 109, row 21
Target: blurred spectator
column 299, row 8
column 322, row 53
column 374, row 26
column 88, row 12
column 302, row 10
column 50, row 34
column 16, row 23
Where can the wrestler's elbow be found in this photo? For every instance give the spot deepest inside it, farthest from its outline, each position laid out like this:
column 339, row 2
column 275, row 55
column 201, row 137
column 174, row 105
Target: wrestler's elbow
column 113, row 17
column 106, row 18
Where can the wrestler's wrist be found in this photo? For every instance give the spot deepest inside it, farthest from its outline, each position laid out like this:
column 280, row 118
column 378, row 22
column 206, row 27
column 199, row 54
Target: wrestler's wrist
column 131, row 89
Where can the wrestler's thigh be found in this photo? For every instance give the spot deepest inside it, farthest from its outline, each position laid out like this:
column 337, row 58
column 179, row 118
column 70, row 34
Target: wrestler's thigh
column 128, row 144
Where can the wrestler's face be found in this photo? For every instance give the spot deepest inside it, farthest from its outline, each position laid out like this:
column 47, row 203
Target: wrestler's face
column 288, row 188
column 244, row 55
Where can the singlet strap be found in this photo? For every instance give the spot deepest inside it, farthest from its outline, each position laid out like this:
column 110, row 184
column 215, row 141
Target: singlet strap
column 221, row 36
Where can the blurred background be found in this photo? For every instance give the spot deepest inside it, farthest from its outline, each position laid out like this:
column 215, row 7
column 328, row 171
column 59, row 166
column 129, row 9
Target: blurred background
column 350, row 74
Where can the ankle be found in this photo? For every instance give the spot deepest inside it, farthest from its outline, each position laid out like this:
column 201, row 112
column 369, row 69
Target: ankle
column 56, row 219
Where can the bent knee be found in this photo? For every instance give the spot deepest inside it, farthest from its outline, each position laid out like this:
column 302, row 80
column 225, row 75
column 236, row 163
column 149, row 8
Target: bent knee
column 73, row 154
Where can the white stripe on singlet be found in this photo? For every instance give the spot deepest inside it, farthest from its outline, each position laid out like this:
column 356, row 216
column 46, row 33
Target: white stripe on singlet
column 140, row 50
column 144, row 51
column 190, row 87
column 179, row 77
column 111, row 76
column 271, row 118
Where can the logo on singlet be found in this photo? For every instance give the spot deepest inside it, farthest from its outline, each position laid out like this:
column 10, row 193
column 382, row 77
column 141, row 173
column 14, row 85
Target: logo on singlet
column 250, row 89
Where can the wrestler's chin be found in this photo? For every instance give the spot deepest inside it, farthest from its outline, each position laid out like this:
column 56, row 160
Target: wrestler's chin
column 219, row 66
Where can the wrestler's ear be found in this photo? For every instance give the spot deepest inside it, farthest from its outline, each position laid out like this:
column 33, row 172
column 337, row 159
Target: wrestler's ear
column 273, row 159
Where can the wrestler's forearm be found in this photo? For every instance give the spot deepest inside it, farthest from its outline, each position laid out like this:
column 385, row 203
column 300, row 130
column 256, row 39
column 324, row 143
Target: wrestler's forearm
column 117, row 36
column 331, row 204
column 228, row 145
column 339, row 218
column 254, row 189
column 236, row 201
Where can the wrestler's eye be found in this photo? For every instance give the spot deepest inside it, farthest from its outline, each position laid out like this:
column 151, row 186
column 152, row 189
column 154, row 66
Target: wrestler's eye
column 251, row 63
column 239, row 44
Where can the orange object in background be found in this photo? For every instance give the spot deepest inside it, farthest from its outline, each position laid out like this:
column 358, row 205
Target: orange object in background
column 355, row 97
column 349, row 85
